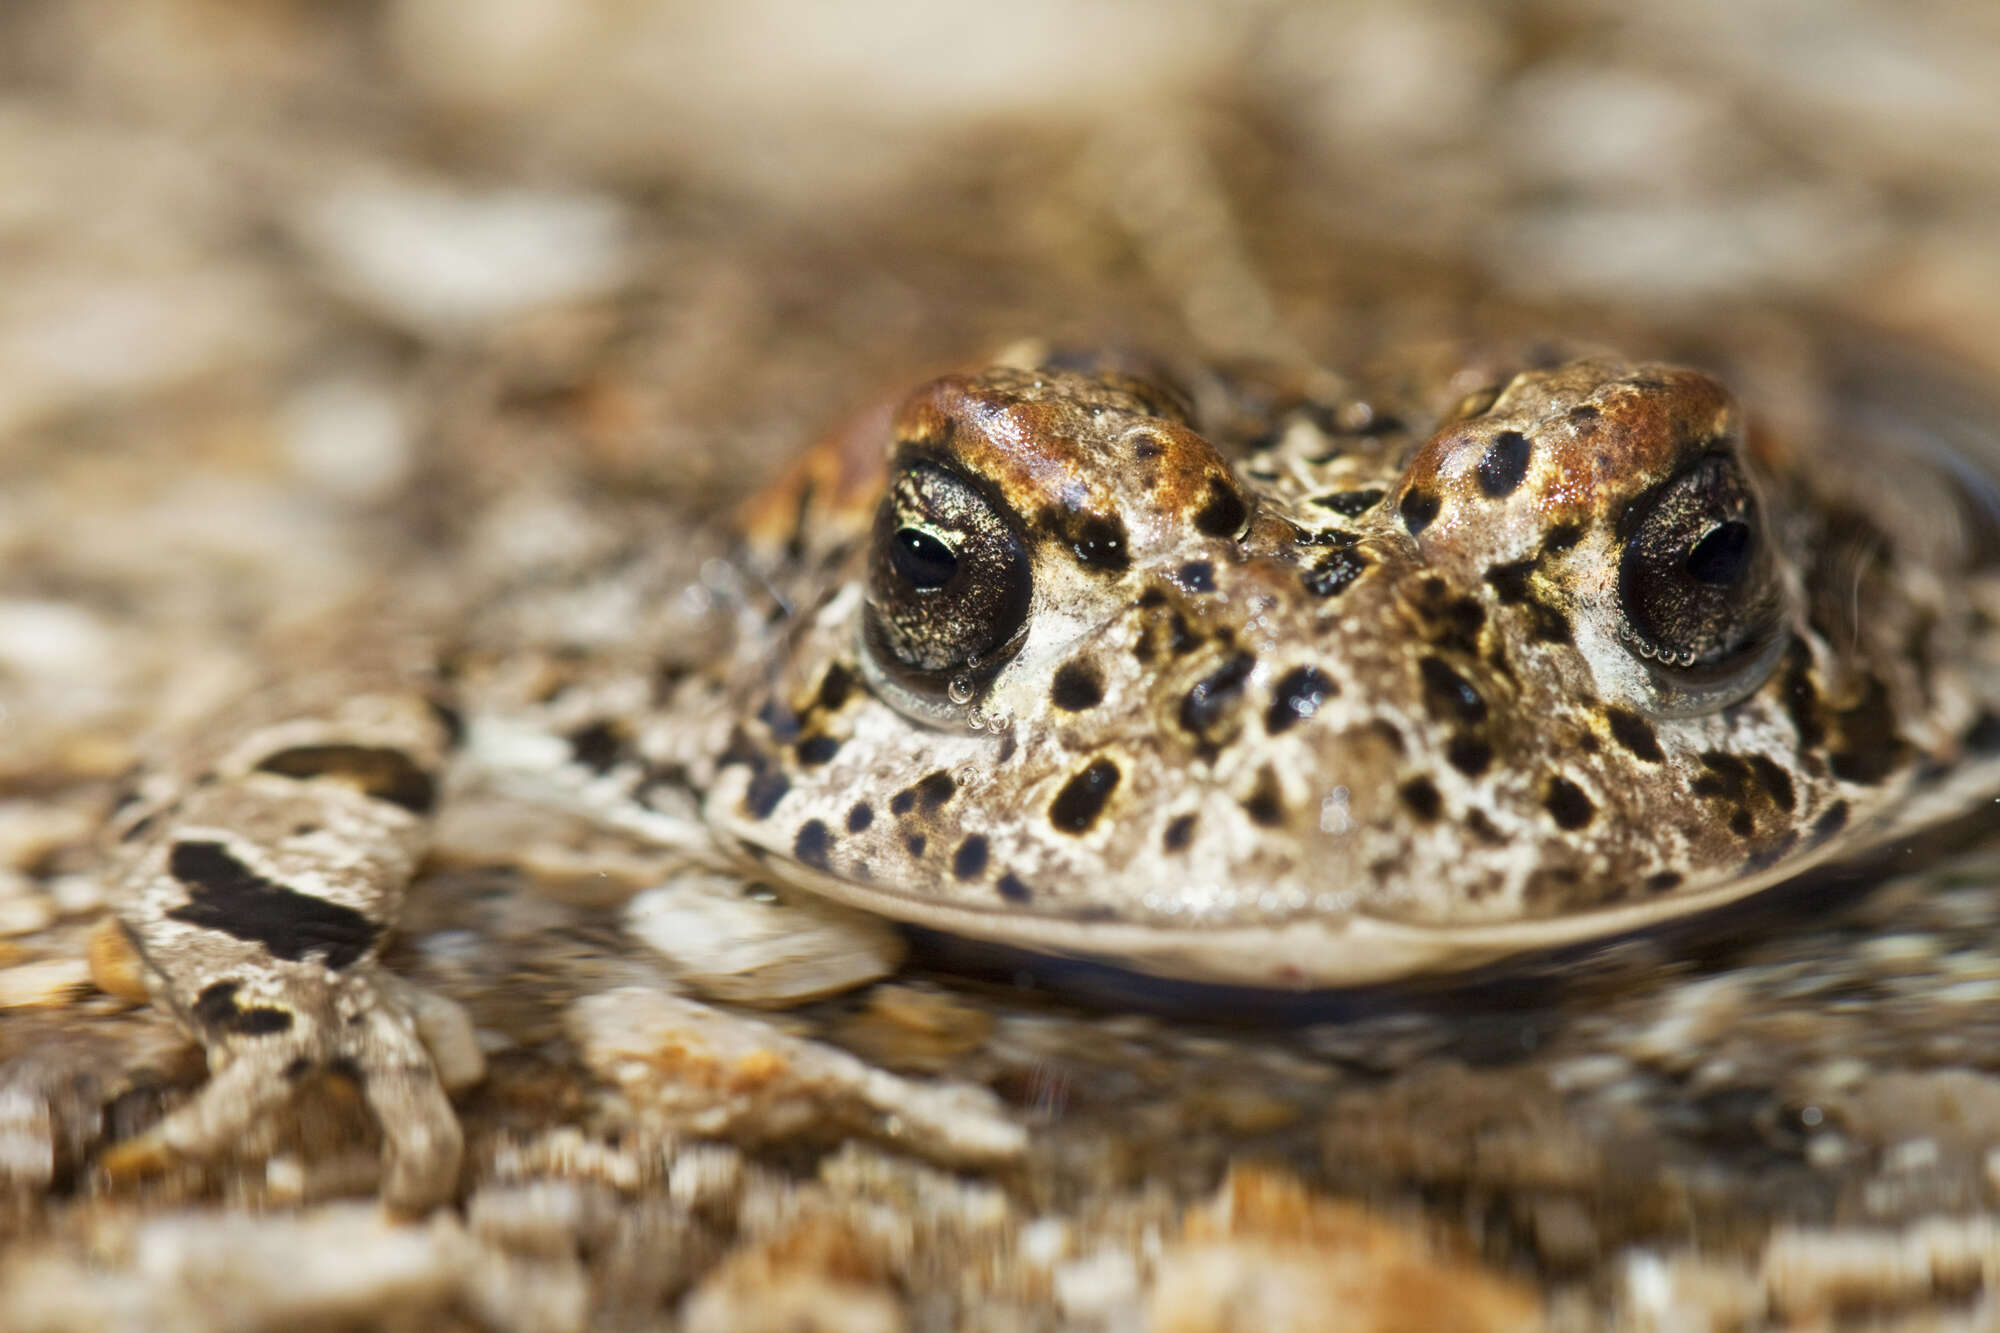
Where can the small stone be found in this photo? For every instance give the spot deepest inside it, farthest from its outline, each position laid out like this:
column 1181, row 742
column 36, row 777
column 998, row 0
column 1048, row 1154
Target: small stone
column 114, row 964
column 913, row 1027
column 1683, row 1292
column 549, row 1219
column 1910, row 1155
column 1809, row 1273
column 775, row 950
column 51, row 981
column 440, row 260
column 694, row 1069
column 1101, row 1288
column 349, row 436
column 23, row 911
column 820, row 1276
column 1266, row 1253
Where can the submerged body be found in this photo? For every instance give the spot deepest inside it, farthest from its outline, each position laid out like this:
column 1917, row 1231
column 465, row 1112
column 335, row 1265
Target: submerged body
column 1279, row 680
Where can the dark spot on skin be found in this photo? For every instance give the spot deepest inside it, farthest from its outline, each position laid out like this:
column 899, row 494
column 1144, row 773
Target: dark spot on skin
column 1727, row 776
column 598, row 747
column 741, row 750
column 1421, row 795
column 385, row 774
column 1264, row 804
column 1012, row 889
column 216, row 1010
column 835, row 687
column 1386, row 730
column 1181, row 639
column 1007, row 747
column 782, row 721
column 1583, row 412
column 1082, row 798
column 1587, row 742
column 1462, row 619
column 1635, row 733
column 1297, row 696
column 1561, row 537
column 1663, row 881
column 859, row 816
column 1099, row 543
column 297, row 1069
column 1777, row 783
column 903, row 802
column 1801, row 699
column 1510, row 581
column 1418, row 508
column 1147, row 446
column 1983, row 737
column 1210, row 699
column 1483, row 828
column 1223, row 513
column 813, row 844
column 1077, row 686
column 1567, row 804
column 969, row 861
column 140, row 828
column 1831, row 821
column 1451, row 693
column 764, row 792
column 916, row 843
column 1504, row 464
column 1152, row 597
column 1469, row 755
column 1765, row 858
column 1350, row 504
column 304, row 830
column 816, row 750
column 1197, row 576
column 1869, row 747
column 1741, row 823
column 934, row 789
column 1334, row 572
column 1510, row 584
column 227, row 896
column 1179, row 833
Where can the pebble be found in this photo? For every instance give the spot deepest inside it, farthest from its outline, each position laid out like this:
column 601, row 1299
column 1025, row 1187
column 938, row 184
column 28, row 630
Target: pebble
column 336, row 1264
column 23, row 911
column 819, row 1276
column 50, row 981
column 1267, row 1253
column 768, row 950
column 694, row 1069
column 440, row 260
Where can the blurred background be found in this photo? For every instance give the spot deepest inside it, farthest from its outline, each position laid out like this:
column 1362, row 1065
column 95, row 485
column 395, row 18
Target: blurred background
column 296, row 292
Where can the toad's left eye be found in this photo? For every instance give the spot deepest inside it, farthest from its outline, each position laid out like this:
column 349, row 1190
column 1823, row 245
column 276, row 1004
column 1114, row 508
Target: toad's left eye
column 1696, row 582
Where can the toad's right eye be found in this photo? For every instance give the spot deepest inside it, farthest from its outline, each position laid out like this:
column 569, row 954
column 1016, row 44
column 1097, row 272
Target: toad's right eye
column 948, row 582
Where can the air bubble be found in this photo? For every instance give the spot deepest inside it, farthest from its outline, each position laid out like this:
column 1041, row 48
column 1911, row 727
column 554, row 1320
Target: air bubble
column 960, row 690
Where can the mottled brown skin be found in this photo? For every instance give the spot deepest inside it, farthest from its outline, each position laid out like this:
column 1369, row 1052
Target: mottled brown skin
column 1493, row 758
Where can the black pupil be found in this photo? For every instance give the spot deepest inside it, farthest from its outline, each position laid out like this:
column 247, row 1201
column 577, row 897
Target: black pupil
column 1721, row 557
column 922, row 559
